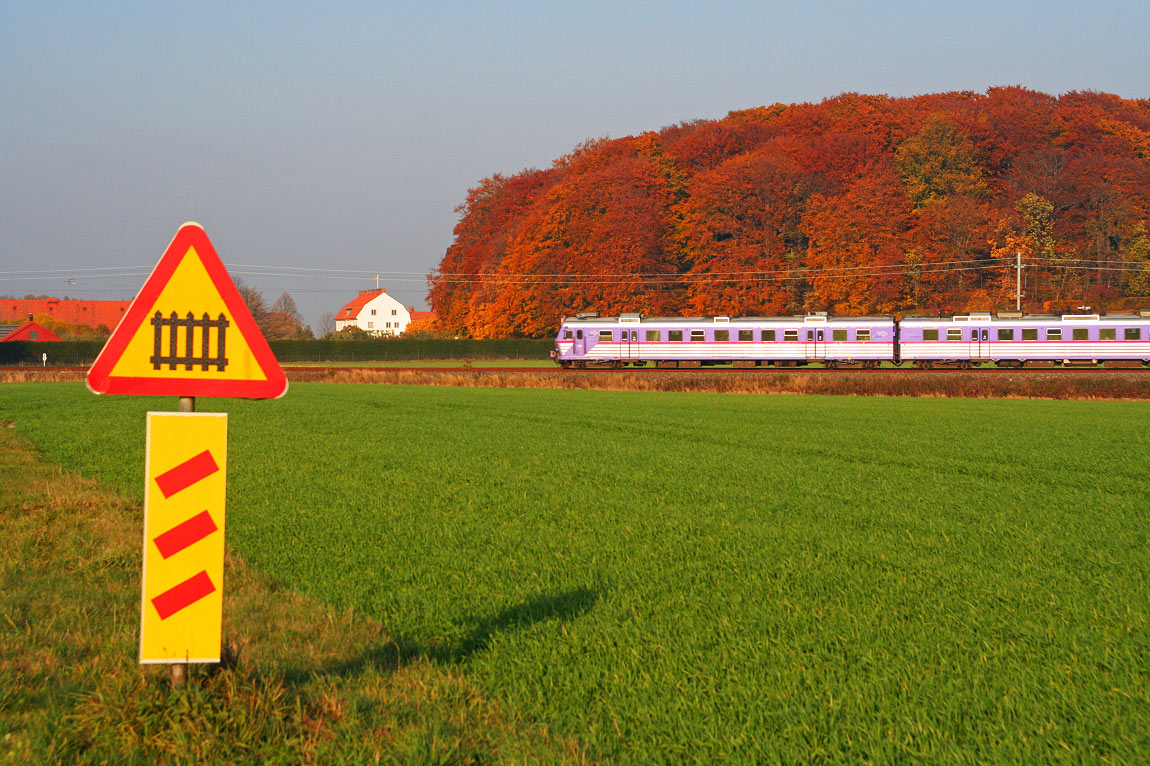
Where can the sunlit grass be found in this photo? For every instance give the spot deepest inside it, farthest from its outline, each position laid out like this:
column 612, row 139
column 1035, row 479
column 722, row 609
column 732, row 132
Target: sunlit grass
column 706, row 577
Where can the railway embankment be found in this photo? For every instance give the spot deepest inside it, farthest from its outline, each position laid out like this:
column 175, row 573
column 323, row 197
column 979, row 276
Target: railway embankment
column 1091, row 384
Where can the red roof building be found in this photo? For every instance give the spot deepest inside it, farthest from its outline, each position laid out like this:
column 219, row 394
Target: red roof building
column 376, row 312
column 27, row 331
column 90, row 313
column 351, row 309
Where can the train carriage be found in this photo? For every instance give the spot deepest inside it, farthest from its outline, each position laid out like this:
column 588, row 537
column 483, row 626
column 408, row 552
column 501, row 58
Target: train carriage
column 632, row 339
column 1015, row 339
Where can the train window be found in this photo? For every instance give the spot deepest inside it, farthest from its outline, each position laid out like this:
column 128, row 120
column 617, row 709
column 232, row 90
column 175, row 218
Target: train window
column 1054, row 333
column 604, row 335
column 1005, row 334
column 838, row 335
column 790, row 334
column 674, row 334
column 697, row 335
column 746, row 334
column 579, row 334
column 1107, row 333
column 1081, row 333
column 566, row 335
column 930, row 334
column 1030, row 334
column 721, row 335
column 863, row 335
column 1133, row 333
column 652, row 335
column 954, row 333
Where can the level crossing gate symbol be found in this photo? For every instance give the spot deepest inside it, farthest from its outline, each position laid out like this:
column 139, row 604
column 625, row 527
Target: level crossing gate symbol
column 190, row 324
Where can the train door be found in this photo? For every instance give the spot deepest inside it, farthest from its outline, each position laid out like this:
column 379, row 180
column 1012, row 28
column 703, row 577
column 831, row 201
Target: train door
column 629, row 345
column 580, row 343
column 979, row 346
column 816, row 344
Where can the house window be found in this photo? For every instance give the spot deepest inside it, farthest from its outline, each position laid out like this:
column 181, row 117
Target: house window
column 393, row 312
column 930, row 334
column 32, row 336
column 370, row 326
column 373, row 312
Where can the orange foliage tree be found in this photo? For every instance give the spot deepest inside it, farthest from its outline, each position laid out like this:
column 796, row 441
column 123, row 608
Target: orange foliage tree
column 857, row 238
column 860, row 203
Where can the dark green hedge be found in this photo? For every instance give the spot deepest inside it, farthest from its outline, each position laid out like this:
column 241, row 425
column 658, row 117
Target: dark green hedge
column 401, row 349
column 66, row 352
column 79, row 352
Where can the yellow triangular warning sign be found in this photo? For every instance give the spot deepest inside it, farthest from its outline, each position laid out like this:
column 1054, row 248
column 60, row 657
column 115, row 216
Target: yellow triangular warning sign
column 188, row 333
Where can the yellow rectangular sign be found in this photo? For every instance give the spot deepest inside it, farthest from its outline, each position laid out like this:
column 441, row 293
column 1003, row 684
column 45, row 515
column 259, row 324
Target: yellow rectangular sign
column 183, row 581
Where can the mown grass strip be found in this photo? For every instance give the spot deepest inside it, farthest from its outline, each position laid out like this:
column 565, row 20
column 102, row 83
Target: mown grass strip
column 301, row 683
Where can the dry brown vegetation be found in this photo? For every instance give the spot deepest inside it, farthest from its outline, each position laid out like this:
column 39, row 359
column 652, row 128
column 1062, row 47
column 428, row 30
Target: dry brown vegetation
column 1099, row 384
column 997, row 384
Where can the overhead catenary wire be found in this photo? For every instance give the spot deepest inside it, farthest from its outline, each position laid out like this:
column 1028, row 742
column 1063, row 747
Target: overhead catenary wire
column 598, row 279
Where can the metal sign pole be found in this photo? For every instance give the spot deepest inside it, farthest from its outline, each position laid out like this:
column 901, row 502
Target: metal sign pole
column 180, row 670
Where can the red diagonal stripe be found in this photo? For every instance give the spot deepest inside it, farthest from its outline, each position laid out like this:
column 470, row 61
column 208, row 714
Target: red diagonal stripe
column 187, row 473
column 183, row 595
column 188, row 533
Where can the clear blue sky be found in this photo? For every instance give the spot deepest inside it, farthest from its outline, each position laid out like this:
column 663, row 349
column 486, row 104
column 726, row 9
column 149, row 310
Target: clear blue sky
column 341, row 136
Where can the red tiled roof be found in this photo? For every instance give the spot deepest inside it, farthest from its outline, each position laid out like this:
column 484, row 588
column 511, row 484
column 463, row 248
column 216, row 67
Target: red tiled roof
column 91, row 313
column 417, row 315
column 24, row 332
column 355, row 305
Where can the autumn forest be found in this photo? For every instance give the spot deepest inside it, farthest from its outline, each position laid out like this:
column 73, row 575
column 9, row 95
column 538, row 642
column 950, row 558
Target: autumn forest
column 856, row 205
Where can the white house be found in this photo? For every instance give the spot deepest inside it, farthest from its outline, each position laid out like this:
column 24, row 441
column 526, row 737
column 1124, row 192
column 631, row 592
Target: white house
column 374, row 311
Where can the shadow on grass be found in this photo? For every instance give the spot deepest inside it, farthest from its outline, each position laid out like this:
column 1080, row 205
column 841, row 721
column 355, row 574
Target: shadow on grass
column 389, row 656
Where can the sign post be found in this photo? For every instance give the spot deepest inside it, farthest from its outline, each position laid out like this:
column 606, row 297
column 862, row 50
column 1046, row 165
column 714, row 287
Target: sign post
column 188, row 333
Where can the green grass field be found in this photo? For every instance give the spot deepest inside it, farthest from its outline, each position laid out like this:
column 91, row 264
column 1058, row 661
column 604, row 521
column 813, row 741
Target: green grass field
column 694, row 577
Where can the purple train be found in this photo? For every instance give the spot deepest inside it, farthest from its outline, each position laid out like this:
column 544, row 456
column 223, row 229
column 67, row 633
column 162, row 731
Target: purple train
column 1006, row 339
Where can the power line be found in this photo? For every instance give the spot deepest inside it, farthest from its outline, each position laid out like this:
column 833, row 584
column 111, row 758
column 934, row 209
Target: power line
column 652, row 279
